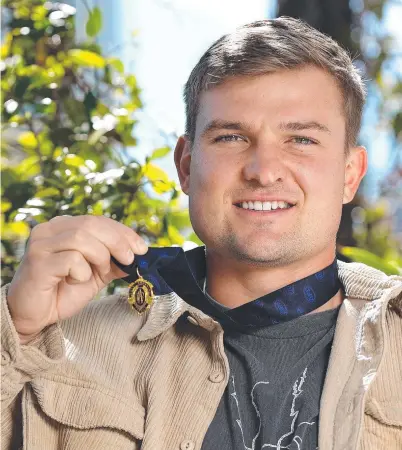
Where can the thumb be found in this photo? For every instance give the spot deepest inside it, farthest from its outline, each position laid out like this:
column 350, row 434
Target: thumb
column 116, row 273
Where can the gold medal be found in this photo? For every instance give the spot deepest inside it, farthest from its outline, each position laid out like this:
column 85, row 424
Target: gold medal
column 140, row 294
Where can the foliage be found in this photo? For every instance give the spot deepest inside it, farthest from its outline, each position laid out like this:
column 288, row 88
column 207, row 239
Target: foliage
column 68, row 114
column 376, row 245
column 382, row 58
column 373, row 230
column 387, row 264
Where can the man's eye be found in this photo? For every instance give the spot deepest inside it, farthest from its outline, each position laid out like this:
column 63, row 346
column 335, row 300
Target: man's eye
column 229, row 138
column 303, row 140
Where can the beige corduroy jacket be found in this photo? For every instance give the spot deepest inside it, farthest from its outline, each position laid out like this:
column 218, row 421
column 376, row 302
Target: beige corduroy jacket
column 109, row 379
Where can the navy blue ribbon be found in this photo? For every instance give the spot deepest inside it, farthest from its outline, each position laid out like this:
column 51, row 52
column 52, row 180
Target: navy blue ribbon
column 171, row 269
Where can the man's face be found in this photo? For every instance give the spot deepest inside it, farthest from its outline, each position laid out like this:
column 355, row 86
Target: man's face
column 267, row 173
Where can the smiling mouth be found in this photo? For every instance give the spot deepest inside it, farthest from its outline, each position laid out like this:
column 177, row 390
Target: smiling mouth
column 264, row 206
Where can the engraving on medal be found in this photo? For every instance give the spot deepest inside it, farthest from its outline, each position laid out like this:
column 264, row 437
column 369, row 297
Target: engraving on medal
column 140, row 294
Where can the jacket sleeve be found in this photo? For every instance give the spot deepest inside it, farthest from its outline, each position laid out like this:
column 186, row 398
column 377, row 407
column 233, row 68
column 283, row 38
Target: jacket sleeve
column 22, row 363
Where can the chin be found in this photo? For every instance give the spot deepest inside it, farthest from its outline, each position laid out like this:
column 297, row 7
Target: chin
column 261, row 253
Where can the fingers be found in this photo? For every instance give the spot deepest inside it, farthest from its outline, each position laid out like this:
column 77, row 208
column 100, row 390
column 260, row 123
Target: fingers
column 138, row 245
column 120, row 241
column 71, row 264
column 95, row 251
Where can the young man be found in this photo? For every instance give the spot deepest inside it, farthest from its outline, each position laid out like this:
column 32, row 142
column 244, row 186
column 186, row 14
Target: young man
column 260, row 340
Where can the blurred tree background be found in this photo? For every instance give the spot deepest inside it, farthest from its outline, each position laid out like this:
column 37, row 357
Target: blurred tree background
column 68, row 114
column 367, row 232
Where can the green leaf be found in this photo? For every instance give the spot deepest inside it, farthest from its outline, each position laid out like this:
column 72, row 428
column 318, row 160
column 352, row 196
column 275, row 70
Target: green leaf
column 28, row 140
column 48, row 192
column 17, row 119
column 160, row 153
column 175, row 235
column 22, row 84
column 15, row 230
column 180, row 219
column 97, row 209
column 155, row 173
column 28, row 167
column 86, row 58
column 94, row 23
column 90, row 102
column 159, row 179
column 39, row 13
column 131, row 81
column 5, row 48
column 129, row 141
column 75, row 110
column 397, row 123
column 96, row 135
column 107, row 75
column 364, row 256
column 5, row 206
column 194, row 238
column 116, row 64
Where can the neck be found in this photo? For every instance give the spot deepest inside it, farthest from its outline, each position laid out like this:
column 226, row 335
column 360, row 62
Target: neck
column 233, row 284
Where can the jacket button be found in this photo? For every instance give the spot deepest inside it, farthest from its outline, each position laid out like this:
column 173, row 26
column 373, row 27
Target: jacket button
column 216, row 377
column 5, row 358
column 187, row 445
column 192, row 320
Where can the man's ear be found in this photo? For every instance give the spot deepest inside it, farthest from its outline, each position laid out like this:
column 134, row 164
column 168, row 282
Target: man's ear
column 182, row 159
column 355, row 169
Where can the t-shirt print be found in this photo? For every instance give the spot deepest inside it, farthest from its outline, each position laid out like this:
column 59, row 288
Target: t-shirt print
column 295, row 430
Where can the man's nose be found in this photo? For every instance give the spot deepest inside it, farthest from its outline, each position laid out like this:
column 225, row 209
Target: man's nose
column 266, row 165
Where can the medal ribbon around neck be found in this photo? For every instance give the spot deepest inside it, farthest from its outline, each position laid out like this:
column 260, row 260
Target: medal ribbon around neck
column 170, row 269
column 287, row 303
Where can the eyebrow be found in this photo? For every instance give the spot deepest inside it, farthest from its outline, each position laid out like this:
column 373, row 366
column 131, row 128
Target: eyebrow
column 300, row 126
column 218, row 124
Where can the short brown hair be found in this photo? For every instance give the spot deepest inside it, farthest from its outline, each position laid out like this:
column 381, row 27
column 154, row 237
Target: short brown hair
column 269, row 45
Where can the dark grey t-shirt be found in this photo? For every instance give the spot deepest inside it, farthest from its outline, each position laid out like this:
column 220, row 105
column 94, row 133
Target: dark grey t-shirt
column 276, row 379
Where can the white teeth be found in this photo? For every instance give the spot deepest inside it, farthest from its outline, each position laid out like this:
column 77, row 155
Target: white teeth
column 265, row 206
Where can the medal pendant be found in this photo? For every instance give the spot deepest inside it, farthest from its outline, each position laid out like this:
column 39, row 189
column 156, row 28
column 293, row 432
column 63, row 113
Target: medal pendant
column 140, row 294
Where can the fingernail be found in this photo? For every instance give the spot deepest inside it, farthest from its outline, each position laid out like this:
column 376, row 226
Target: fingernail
column 142, row 246
column 130, row 256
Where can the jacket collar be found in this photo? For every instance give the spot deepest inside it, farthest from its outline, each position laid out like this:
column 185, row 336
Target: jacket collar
column 358, row 280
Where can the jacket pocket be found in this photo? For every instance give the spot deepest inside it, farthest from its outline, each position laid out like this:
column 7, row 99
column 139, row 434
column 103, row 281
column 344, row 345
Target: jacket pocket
column 382, row 426
column 84, row 405
column 387, row 412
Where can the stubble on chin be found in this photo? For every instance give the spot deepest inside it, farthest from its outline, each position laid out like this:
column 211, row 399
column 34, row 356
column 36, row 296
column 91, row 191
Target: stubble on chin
column 258, row 253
